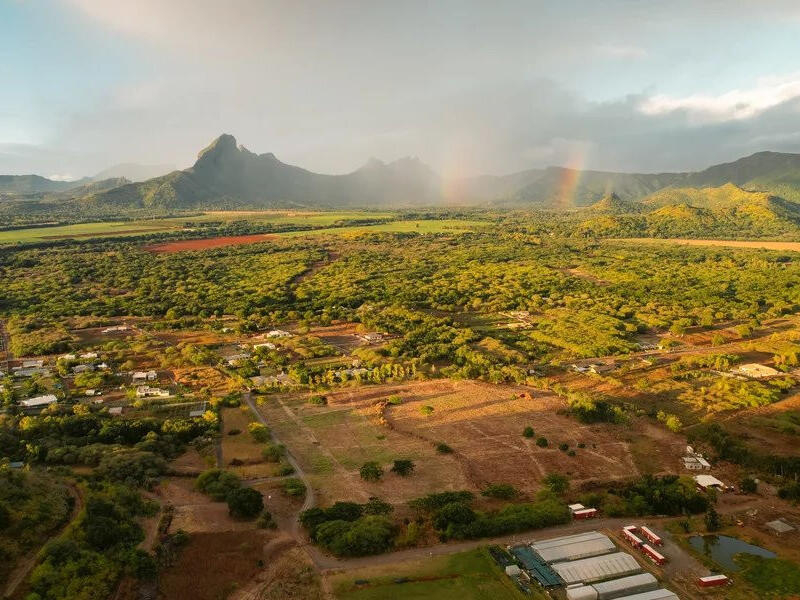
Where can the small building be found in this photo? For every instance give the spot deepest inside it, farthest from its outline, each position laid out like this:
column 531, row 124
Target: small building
column 145, row 391
column 574, row 547
column 513, row 571
column 695, row 463
column 267, row 345
column 78, row 369
column 39, row 401
column 713, row 580
column 144, row 376
column 654, row 554
column 89, row 355
column 779, row 526
column 32, row 364
column 68, row 357
column 278, row 333
column 372, row 338
column 652, row 536
column 196, row 413
column 707, row 482
column 115, row 329
column 629, row 536
column 597, row 568
column 581, row 592
column 17, row 464
column 755, row 371
column 30, row 372
column 573, row 507
column 115, row 410
column 279, row 379
column 586, row 513
column 237, row 359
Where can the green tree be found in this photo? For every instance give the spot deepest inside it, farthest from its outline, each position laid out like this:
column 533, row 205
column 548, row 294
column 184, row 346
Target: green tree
column 245, row 503
column 371, row 471
column 528, row 432
column 403, row 467
column 557, row 483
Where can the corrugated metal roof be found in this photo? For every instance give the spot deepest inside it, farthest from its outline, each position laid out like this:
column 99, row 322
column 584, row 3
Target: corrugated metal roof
column 661, row 594
column 535, row 566
column 643, row 582
column 572, row 547
column 597, row 568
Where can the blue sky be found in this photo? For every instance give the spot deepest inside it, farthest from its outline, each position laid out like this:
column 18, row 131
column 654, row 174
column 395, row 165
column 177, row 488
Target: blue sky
column 468, row 86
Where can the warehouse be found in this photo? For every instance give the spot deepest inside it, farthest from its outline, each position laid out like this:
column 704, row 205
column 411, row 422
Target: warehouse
column 660, row 594
column 573, row 547
column 633, row 584
column 597, row 568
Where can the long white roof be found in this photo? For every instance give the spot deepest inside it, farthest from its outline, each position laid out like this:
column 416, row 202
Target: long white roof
column 572, row 547
column 641, row 582
column 597, row 568
column 660, row 594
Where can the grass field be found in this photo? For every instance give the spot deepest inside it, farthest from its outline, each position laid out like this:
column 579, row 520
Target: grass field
column 319, row 219
column 764, row 245
column 465, row 576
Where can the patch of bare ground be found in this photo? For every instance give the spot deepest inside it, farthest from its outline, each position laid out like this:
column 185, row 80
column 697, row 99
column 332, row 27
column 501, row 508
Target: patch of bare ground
column 289, row 575
column 196, row 512
column 764, row 245
column 198, row 378
column 209, row 243
column 214, row 565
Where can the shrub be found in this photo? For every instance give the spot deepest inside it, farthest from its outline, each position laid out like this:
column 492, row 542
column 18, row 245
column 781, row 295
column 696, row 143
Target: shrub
column 234, row 432
column 437, row 500
column 318, row 400
column 376, row 506
column 245, row 503
column 371, row 471
column 285, row 469
column 748, row 485
column 581, row 445
column 394, row 399
column 273, row 452
column 503, row 491
column 571, row 453
column 217, row 483
column 426, row 409
column 563, row 446
column 557, row 483
column 528, row 432
column 265, row 521
column 541, row 442
column 371, row 534
column 403, row 467
column 294, row 487
column 259, row 432
column 443, row 448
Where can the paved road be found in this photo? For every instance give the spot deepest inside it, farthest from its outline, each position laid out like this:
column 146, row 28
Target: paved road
column 310, row 500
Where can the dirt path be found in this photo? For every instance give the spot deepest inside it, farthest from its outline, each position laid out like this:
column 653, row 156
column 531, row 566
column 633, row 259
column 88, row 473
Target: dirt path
column 20, row 573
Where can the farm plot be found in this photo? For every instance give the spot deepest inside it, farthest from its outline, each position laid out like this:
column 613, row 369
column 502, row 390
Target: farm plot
column 483, row 424
column 241, row 453
column 332, row 442
column 195, row 512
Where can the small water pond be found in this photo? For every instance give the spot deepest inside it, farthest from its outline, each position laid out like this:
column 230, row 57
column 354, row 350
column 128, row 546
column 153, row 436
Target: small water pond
column 722, row 548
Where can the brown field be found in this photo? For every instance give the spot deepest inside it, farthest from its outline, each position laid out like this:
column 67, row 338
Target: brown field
column 196, row 512
column 197, row 378
column 764, row 245
column 207, row 244
column 214, row 565
column 483, row 424
column 242, row 447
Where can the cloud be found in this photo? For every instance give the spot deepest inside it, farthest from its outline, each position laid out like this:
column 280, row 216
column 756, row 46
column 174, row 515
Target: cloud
column 622, row 52
column 737, row 104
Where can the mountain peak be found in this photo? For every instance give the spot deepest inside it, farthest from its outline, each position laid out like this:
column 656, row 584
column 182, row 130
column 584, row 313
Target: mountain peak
column 224, row 144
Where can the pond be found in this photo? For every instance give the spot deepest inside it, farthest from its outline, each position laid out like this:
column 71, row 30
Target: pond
column 722, row 548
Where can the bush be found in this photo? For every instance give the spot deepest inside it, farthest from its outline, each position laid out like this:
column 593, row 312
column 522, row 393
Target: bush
column 259, row 432
column 528, row 432
column 245, row 503
column 265, row 521
column 443, row 448
column 748, row 485
column 502, row 491
column 217, row 483
column 394, row 399
column 403, row 467
column 368, row 535
column 541, row 442
column 134, row 467
column 563, row 446
column 426, row 409
column 437, row 500
column 557, row 483
column 294, row 487
column 273, row 452
column 371, row 471
column 318, row 400
column 285, row 469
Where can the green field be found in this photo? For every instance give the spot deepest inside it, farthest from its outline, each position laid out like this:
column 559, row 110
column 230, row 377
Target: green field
column 437, row 226
column 314, row 219
column 468, row 575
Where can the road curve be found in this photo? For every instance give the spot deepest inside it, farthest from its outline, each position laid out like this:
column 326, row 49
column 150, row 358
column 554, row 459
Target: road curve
column 310, row 500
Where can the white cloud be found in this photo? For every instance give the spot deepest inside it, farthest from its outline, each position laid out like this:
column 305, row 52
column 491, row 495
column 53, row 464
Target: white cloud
column 768, row 92
column 62, row 177
column 622, row 51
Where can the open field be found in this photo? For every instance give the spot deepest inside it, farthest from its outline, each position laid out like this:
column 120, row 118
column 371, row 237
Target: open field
column 88, row 230
column 468, row 575
column 209, row 243
column 764, row 245
column 214, row 565
column 483, row 425
column 240, row 452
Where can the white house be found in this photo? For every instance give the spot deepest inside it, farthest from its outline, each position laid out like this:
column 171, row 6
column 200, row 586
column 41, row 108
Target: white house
column 278, row 333
column 145, row 391
column 39, row 401
column 755, row 371
column 144, row 376
column 77, row 369
column 267, row 345
column 32, row 364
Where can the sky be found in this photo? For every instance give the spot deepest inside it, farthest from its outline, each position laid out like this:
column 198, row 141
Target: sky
column 468, row 86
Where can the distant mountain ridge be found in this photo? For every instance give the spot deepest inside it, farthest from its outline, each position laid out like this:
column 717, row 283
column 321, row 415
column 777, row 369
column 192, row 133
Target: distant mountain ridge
column 227, row 175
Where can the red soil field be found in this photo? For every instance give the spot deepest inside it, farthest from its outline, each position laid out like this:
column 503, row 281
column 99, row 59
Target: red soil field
column 209, row 243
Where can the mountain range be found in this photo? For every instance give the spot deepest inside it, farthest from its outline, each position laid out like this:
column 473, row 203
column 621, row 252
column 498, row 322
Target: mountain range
column 227, row 175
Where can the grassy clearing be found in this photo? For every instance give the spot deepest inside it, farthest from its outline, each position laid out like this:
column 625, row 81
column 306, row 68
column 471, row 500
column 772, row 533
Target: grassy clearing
column 468, row 575
column 443, row 226
column 88, row 230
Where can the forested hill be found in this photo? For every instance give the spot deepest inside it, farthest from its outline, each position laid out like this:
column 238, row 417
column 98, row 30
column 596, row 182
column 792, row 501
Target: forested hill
column 227, row 175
